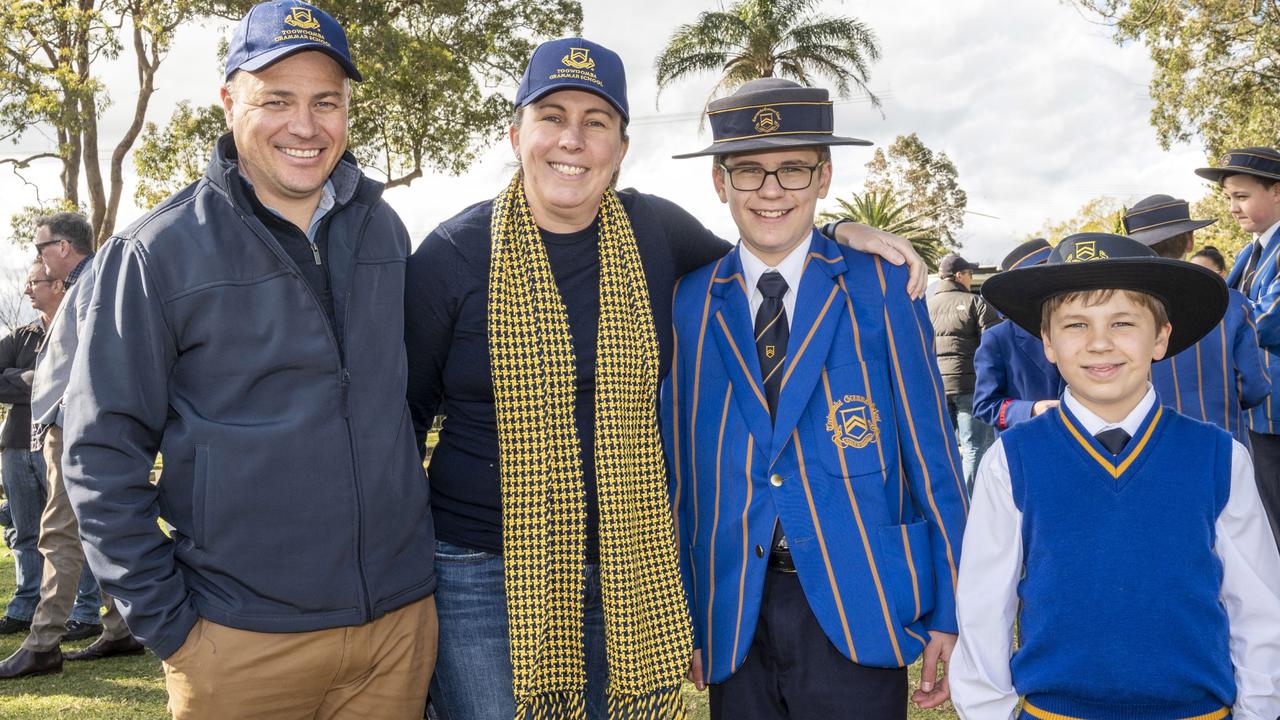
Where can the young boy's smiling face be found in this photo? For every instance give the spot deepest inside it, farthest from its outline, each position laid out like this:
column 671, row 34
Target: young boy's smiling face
column 1104, row 350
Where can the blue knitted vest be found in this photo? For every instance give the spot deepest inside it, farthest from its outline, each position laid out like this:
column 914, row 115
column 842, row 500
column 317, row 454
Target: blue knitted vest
column 1120, row 615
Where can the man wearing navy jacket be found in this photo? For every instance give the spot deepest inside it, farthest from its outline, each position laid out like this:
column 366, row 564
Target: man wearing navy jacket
column 814, row 471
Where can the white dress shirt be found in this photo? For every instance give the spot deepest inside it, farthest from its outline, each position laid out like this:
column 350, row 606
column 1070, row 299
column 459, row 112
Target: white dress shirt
column 791, row 267
column 1266, row 237
column 991, row 566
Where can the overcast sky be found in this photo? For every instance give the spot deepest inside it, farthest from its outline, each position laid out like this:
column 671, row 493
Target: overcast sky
column 1037, row 107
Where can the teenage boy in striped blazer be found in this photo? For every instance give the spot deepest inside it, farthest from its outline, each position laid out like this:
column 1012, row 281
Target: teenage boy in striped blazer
column 814, row 472
column 1126, row 540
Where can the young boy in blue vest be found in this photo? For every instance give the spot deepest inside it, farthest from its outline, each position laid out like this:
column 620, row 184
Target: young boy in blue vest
column 1014, row 380
column 1250, row 177
column 1128, row 541
column 814, row 472
column 1221, row 376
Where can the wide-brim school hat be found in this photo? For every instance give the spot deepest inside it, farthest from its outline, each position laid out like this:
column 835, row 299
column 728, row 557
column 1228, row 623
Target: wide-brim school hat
column 1032, row 252
column 1160, row 217
column 272, row 31
column 1263, row 162
column 771, row 114
column 1195, row 297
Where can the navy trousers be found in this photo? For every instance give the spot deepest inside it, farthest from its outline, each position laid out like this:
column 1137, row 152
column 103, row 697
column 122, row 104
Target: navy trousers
column 793, row 672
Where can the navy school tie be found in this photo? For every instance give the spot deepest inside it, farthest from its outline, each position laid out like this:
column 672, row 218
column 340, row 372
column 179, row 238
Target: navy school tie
column 772, row 332
column 1113, row 440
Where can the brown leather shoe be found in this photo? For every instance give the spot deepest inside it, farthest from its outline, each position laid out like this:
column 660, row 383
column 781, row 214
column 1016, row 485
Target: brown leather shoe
column 25, row 663
column 104, row 648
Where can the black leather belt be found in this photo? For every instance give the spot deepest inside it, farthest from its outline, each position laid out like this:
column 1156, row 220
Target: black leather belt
column 780, row 560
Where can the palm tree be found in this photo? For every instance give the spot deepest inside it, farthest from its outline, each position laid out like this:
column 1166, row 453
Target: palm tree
column 767, row 38
column 880, row 209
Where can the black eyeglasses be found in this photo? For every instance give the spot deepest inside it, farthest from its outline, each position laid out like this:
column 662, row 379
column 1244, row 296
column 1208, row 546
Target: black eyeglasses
column 749, row 178
column 41, row 246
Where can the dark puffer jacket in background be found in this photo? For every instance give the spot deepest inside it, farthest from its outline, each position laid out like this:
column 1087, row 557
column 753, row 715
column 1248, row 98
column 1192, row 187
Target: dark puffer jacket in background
column 959, row 317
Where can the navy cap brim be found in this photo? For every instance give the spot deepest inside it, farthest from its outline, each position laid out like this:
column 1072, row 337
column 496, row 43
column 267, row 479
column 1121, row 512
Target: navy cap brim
column 571, row 85
column 1195, row 297
column 1219, row 173
column 1151, row 236
column 772, row 142
column 270, row 57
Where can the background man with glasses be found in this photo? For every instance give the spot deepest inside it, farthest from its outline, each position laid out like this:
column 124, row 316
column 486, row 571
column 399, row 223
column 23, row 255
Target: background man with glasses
column 817, row 484
column 64, row 244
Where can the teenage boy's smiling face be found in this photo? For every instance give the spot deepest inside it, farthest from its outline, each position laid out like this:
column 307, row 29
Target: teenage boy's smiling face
column 1105, row 351
column 772, row 220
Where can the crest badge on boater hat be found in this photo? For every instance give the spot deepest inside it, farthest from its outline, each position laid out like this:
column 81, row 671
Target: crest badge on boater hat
column 771, row 114
column 1195, row 297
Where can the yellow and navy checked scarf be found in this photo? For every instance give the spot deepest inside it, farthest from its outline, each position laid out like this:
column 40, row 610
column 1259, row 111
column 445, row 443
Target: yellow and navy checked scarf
column 647, row 634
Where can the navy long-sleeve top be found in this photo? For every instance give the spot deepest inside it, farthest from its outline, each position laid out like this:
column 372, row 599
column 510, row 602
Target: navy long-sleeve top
column 446, row 333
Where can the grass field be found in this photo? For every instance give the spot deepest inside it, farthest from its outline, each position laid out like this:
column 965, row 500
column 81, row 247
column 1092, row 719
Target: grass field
column 132, row 688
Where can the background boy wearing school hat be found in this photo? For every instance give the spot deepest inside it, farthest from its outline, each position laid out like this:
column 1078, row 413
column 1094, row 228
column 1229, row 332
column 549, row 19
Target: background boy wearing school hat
column 1014, row 381
column 960, row 317
column 1126, row 540
column 816, row 481
column 1222, row 375
column 1251, row 179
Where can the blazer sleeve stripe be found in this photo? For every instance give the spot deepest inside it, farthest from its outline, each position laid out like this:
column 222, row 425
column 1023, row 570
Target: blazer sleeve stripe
column 822, row 545
column 1177, row 389
column 1226, row 395
column 866, row 543
column 715, row 528
column 742, row 574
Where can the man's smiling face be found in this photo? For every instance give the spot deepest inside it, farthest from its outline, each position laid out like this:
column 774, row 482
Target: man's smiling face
column 772, row 220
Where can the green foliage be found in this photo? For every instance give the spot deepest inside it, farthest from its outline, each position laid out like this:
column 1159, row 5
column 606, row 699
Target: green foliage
column 927, row 182
column 1101, row 214
column 169, row 158
column 1214, row 74
column 434, row 73
column 766, row 38
column 882, row 209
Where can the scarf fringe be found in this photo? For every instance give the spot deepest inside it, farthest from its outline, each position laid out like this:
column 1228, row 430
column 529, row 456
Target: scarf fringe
column 553, row 706
column 661, row 704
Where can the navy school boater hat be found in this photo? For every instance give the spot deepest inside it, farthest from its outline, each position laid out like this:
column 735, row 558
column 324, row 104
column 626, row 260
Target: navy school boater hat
column 574, row 64
column 1160, row 217
column 271, row 31
column 1263, row 162
column 771, row 114
column 1195, row 297
column 1031, row 252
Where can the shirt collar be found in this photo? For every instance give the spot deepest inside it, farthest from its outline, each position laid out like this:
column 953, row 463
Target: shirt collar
column 1093, row 424
column 75, row 274
column 791, row 267
column 1266, row 237
column 328, row 198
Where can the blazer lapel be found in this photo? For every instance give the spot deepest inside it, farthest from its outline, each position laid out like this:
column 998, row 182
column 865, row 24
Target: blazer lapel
column 731, row 326
column 819, row 309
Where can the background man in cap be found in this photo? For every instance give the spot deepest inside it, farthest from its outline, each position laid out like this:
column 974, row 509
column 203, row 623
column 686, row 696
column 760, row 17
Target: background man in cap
column 1251, row 179
column 250, row 329
column 810, row 445
column 959, row 318
column 1014, row 381
column 1222, row 375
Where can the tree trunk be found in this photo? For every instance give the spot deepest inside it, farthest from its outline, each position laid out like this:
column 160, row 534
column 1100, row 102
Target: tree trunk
column 147, row 65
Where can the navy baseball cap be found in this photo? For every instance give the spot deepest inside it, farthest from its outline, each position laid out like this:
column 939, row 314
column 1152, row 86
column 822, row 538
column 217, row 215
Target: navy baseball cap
column 271, row 31
column 574, row 64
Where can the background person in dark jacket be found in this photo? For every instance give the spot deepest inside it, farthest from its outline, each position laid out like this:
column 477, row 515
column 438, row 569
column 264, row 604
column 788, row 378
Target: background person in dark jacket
column 959, row 317
column 250, row 328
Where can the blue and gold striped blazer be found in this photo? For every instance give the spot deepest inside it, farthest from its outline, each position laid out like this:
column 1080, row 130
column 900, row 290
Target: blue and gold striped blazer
column 861, row 466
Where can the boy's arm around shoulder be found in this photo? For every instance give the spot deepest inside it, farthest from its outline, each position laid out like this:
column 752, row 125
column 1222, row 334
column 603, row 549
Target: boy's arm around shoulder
column 927, row 443
column 1250, row 593
column 987, row 596
column 117, row 403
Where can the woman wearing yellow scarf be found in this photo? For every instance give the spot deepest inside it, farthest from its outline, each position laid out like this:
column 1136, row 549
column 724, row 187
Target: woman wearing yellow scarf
column 539, row 324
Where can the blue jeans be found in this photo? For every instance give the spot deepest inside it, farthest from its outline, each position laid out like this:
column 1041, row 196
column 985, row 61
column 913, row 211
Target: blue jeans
column 974, row 435
column 473, row 676
column 23, row 472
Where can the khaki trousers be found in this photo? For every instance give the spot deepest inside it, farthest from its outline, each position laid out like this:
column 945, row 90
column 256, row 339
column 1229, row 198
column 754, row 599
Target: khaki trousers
column 63, row 561
column 378, row 670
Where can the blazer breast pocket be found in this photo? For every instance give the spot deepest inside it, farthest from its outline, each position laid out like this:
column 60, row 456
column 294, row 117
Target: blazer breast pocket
column 851, row 420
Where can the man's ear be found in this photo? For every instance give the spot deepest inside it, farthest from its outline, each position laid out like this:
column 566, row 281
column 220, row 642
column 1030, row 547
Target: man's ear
column 717, row 178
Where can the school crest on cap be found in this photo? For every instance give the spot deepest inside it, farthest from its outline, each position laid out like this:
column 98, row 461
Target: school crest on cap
column 301, row 18
column 767, row 120
column 574, row 64
column 854, row 422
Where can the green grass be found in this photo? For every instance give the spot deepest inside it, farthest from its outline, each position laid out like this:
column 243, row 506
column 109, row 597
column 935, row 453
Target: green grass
column 132, row 688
